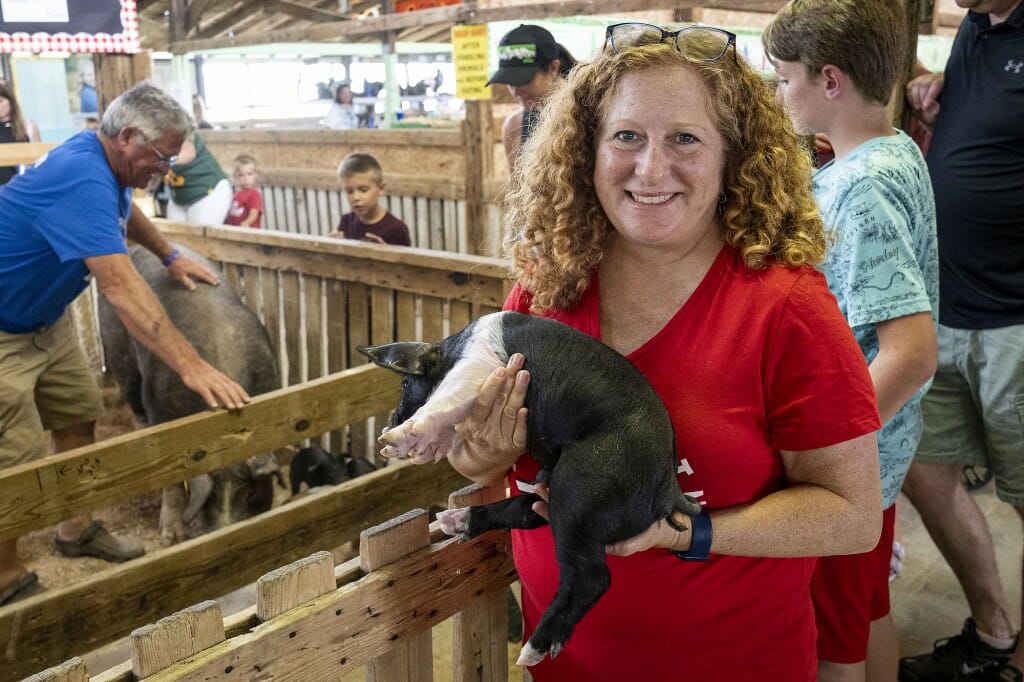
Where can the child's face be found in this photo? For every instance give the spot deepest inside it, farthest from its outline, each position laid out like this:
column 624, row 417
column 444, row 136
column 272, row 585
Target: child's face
column 363, row 191
column 247, row 176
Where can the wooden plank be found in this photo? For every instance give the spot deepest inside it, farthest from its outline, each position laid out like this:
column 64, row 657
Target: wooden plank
column 433, row 319
column 337, row 206
column 291, row 315
column 337, row 349
column 17, row 153
column 301, row 211
column 271, row 196
column 433, row 212
column 465, row 13
column 361, row 441
column 176, row 637
column 109, row 604
column 343, row 630
column 480, row 628
column 411, row 658
column 451, row 228
column 286, row 587
column 316, row 350
column 291, row 220
column 303, row 12
column 323, row 214
column 41, row 493
column 272, row 318
column 72, row 670
column 253, row 290
column 447, row 275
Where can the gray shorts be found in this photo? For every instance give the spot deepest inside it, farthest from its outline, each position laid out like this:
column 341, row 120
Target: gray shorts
column 45, row 384
column 974, row 410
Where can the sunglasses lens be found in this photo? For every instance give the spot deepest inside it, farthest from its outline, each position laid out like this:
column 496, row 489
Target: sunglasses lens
column 625, row 36
column 702, row 44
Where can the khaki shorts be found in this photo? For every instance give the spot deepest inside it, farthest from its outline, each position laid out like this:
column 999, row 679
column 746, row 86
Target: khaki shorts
column 45, row 384
column 974, row 410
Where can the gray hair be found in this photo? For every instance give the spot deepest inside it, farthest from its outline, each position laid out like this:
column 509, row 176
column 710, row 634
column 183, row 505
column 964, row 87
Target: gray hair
column 148, row 109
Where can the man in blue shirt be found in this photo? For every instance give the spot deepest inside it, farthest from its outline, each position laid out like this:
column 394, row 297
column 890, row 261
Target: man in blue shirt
column 64, row 223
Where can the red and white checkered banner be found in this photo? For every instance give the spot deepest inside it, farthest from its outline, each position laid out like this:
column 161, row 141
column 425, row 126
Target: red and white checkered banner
column 105, row 26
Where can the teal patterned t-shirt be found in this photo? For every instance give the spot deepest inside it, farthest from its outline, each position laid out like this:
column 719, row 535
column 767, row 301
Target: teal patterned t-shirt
column 878, row 206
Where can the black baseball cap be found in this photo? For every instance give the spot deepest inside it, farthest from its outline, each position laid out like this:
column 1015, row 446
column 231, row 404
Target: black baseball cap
column 523, row 52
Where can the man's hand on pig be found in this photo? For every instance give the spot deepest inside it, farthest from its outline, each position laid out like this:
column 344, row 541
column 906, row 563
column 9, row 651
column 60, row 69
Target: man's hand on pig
column 184, row 269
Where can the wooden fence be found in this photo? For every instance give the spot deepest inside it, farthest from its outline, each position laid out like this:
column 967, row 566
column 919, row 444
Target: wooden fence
column 439, row 182
column 317, row 621
column 319, row 298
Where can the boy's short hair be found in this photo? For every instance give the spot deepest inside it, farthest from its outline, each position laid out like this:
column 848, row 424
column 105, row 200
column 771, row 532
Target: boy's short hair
column 867, row 39
column 361, row 163
column 244, row 160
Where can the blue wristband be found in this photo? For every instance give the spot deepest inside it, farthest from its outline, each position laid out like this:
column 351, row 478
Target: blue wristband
column 700, row 538
column 171, row 258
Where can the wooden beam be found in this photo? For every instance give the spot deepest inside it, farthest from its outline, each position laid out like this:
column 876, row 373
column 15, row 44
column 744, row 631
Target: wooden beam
column 23, row 152
column 302, row 12
column 70, row 620
column 465, row 13
column 47, row 491
column 196, row 9
column 236, row 13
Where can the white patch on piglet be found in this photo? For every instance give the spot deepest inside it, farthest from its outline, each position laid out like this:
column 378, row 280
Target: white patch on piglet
column 429, row 434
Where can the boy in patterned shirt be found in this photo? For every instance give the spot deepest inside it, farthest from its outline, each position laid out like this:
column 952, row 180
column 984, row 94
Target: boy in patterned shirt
column 837, row 62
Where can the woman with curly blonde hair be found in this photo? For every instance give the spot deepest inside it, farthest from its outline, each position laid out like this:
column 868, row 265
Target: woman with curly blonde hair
column 664, row 207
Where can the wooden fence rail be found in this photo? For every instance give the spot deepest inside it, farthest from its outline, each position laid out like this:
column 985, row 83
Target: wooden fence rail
column 315, row 621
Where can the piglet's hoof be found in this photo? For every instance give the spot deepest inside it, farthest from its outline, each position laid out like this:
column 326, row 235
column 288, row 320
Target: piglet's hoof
column 529, row 656
column 454, row 522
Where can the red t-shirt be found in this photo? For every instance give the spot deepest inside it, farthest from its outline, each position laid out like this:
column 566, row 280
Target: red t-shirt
column 245, row 200
column 389, row 228
column 753, row 363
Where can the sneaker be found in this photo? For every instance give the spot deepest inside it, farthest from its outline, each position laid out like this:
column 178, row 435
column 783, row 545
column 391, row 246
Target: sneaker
column 98, row 542
column 25, row 586
column 962, row 657
column 1009, row 674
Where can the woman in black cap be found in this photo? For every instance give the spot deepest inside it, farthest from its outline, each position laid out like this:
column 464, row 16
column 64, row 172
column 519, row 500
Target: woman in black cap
column 530, row 62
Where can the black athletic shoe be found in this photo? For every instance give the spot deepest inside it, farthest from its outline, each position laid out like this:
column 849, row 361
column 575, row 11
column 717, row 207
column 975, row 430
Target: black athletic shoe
column 963, row 657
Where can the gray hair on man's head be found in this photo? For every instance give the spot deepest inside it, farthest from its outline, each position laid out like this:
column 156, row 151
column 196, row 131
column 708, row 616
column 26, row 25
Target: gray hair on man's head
column 150, row 110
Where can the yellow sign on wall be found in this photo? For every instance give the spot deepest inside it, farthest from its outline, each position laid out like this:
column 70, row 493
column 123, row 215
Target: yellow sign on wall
column 469, row 53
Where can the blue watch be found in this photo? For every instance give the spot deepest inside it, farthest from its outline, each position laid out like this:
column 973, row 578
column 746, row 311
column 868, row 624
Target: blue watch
column 700, row 538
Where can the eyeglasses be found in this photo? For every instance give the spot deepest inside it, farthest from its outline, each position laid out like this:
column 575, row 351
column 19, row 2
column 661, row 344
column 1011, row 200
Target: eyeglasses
column 699, row 43
column 161, row 160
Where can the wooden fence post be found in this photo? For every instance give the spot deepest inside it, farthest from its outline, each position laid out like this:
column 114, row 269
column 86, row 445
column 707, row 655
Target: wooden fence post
column 69, row 671
column 480, row 631
column 176, row 637
column 300, row 581
column 379, row 546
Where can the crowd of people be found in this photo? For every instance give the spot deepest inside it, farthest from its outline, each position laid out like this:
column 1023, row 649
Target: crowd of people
column 823, row 338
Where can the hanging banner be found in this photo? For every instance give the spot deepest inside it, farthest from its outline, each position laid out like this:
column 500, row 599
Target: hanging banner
column 105, row 26
column 469, row 54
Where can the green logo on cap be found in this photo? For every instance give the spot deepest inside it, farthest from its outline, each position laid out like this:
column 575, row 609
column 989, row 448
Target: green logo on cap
column 525, row 53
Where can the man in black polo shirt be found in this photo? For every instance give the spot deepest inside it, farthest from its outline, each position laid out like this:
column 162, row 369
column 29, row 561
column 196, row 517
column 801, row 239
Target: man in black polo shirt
column 974, row 411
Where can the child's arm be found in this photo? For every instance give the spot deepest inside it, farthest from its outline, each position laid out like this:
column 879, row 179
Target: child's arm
column 250, row 220
column 907, row 355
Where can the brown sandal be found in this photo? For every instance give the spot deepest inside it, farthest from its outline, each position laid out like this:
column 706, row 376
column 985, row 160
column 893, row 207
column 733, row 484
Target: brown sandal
column 25, row 586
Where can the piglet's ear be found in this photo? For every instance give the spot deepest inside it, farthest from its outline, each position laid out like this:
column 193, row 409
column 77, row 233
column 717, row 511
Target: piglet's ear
column 404, row 357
